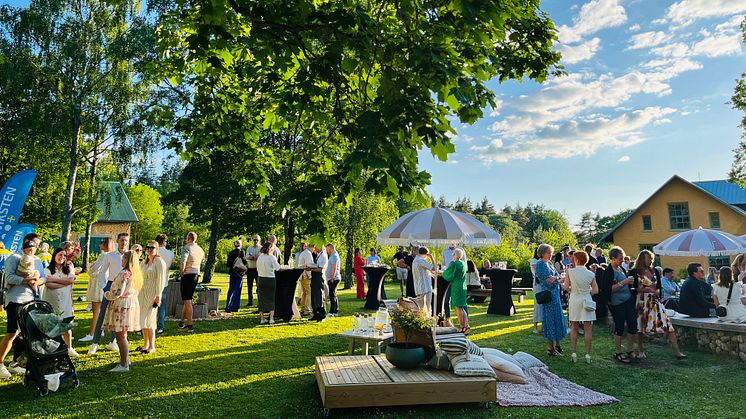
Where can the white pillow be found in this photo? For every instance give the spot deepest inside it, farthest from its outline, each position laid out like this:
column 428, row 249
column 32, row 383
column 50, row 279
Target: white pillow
column 476, row 366
column 527, row 361
column 504, row 365
column 498, row 353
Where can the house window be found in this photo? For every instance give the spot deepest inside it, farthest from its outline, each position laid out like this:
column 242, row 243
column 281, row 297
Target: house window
column 678, row 215
column 648, row 246
column 714, row 220
column 647, row 223
column 718, row 262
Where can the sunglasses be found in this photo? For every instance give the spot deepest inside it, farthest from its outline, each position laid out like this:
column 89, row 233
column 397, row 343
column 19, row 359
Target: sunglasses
column 150, row 247
column 138, row 250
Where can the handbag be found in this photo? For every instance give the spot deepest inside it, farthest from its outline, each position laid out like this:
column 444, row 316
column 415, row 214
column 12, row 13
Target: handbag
column 589, row 304
column 722, row 310
column 238, row 266
column 543, row 297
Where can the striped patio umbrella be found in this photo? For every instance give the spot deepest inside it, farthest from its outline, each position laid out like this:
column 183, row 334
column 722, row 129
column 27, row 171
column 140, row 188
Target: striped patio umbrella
column 701, row 242
column 438, row 227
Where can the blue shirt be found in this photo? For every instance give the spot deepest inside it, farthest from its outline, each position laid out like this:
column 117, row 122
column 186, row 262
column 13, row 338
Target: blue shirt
column 669, row 287
column 19, row 292
column 623, row 294
column 333, row 261
column 373, row 259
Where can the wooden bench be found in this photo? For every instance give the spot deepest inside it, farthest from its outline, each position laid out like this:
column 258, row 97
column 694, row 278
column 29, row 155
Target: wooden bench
column 370, row 381
column 520, row 292
column 712, row 335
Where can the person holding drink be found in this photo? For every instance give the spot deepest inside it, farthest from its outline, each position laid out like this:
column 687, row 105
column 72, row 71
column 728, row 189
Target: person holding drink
column 622, row 304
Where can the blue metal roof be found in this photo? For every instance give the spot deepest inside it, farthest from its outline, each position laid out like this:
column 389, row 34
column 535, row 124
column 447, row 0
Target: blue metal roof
column 727, row 192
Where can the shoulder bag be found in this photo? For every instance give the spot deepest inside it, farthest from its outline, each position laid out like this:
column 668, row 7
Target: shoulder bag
column 722, row 310
column 238, row 265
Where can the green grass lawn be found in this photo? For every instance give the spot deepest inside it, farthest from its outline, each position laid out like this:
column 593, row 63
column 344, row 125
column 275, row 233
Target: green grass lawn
column 237, row 368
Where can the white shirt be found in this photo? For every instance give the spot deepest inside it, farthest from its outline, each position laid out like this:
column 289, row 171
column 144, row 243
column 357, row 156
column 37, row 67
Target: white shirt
column 192, row 256
column 334, row 261
column 322, row 261
column 252, row 251
column 305, row 258
column 112, row 265
column 448, row 256
column 97, row 270
column 421, row 269
column 167, row 256
column 532, row 264
column 266, row 266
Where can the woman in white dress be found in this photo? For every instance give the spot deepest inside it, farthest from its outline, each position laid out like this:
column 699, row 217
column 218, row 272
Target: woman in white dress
column 537, row 288
column 58, row 290
column 154, row 280
column 736, row 309
column 582, row 284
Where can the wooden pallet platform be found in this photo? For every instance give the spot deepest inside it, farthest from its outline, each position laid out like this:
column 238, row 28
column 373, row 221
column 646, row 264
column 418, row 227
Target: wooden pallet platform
column 367, row 381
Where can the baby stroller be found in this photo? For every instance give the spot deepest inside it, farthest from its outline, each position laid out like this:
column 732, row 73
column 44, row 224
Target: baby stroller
column 40, row 364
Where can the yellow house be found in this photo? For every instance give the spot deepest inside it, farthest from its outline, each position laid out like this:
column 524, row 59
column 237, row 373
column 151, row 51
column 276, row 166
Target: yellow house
column 680, row 205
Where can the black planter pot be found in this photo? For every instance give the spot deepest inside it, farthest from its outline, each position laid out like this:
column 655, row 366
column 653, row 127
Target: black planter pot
column 405, row 355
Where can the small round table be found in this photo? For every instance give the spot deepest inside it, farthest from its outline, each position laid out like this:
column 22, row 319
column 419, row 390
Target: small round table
column 376, row 291
column 287, row 280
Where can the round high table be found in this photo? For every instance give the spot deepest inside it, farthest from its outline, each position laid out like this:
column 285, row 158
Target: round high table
column 376, row 291
column 287, row 280
column 501, row 299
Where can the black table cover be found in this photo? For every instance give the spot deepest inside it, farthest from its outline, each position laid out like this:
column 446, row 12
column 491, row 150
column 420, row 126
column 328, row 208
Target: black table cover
column 376, row 291
column 285, row 292
column 501, row 300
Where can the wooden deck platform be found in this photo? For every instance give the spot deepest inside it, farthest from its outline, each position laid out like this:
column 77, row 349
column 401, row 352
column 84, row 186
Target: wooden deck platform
column 367, row 381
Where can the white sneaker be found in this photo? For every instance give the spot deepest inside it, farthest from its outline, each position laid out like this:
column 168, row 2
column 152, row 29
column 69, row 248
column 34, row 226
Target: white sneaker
column 16, row 369
column 72, row 353
column 93, row 349
column 264, row 321
column 86, row 338
column 112, row 346
column 120, row 368
column 4, row 373
column 271, row 322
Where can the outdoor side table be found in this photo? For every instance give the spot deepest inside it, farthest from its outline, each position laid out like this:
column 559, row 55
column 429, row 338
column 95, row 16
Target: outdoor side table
column 501, row 299
column 376, row 291
column 366, row 341
column 287, row 280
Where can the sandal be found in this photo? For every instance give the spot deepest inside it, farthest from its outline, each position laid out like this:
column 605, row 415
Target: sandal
column 138, row 349
column 631, row 356
column 465, row 330
column 552, row 352
column 640, row 356
column 621, row 357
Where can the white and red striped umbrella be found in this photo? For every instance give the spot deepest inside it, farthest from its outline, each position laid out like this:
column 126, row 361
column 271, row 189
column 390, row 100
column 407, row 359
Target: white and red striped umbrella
column 701, row 242
column 438, row 227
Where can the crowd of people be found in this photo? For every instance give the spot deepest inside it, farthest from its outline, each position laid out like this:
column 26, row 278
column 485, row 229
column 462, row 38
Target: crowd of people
column 639, row 296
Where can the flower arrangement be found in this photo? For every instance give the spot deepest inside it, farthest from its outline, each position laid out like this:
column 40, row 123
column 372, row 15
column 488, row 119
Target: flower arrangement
column 410, row 321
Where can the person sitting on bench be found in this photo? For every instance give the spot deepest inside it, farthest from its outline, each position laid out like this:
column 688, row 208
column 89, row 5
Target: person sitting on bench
column 692, row 298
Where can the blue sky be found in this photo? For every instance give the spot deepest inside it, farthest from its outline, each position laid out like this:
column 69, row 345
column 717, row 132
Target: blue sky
column 645, row 98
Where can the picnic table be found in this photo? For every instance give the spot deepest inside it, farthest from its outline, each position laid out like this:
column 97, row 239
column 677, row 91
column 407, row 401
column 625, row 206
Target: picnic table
column 366, row 381
column 376, row 291
column 287, row 280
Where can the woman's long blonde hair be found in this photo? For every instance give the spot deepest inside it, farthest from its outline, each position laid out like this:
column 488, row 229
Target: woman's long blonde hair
column 132, row 264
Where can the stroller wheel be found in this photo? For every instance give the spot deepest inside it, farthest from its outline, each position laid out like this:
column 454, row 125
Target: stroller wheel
column 76, row 383
column 43, row 391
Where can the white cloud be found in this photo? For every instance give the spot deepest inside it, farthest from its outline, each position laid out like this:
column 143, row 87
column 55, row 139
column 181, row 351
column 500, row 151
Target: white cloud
column 647, row 40
column 634, row 28
column 624, row 159
column 594, row 16
column 677, row 49
column 687, row 11
column 584, row 137
column 496, row 109
column 717, row 44
column 577, row 53
column 664, row 121
column 733, row 24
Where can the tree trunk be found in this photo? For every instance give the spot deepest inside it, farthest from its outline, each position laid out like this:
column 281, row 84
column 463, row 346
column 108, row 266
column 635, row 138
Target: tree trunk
column 67, row 209
column 289, row 238
column 89, row 223
column 212, row 252
column 350, row 246
column 87, row 246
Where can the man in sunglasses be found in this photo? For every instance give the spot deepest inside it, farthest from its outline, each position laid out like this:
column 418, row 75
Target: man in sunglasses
column 252, row 254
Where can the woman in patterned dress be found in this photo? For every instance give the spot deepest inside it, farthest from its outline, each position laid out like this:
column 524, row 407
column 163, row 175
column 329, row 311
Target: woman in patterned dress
column 554, row 327
column 123, row 312
column 154, row 280
column 651, row 315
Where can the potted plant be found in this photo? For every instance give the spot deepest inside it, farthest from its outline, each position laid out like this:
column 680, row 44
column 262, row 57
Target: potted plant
column 406, row 354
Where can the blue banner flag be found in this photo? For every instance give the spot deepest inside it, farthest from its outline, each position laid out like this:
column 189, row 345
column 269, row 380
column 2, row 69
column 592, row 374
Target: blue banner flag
column 12, row 199
column 14, row 241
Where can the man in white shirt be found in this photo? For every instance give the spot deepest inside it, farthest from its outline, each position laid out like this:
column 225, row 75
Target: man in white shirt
column 191, row 259
column 318, row 275
column 423, row 267
column 168, row 257
column 102, row 277
column 252, row 254
column 111, row 267
column 333, row 277
column 305, row 260
column 448, row 256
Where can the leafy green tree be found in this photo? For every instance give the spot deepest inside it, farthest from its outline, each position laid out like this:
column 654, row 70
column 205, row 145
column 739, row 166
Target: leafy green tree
column 146, row 202
column 738, row 100
column 485, row 208
column 464, row 205
column 361, row 86
column 605, row 224
column 510, row 231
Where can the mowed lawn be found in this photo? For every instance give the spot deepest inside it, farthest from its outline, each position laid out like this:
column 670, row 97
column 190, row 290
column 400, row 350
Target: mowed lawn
column 237, row 368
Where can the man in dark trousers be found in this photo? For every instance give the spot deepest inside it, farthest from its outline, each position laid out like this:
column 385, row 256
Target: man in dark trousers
column 692, row 299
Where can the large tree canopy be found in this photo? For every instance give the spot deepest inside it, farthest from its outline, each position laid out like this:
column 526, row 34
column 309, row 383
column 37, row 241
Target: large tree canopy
column 738, row 170
column 362, row 85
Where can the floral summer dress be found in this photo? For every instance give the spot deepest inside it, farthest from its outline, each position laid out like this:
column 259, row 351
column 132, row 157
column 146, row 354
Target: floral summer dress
column 123, row 312
column 651, row 315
